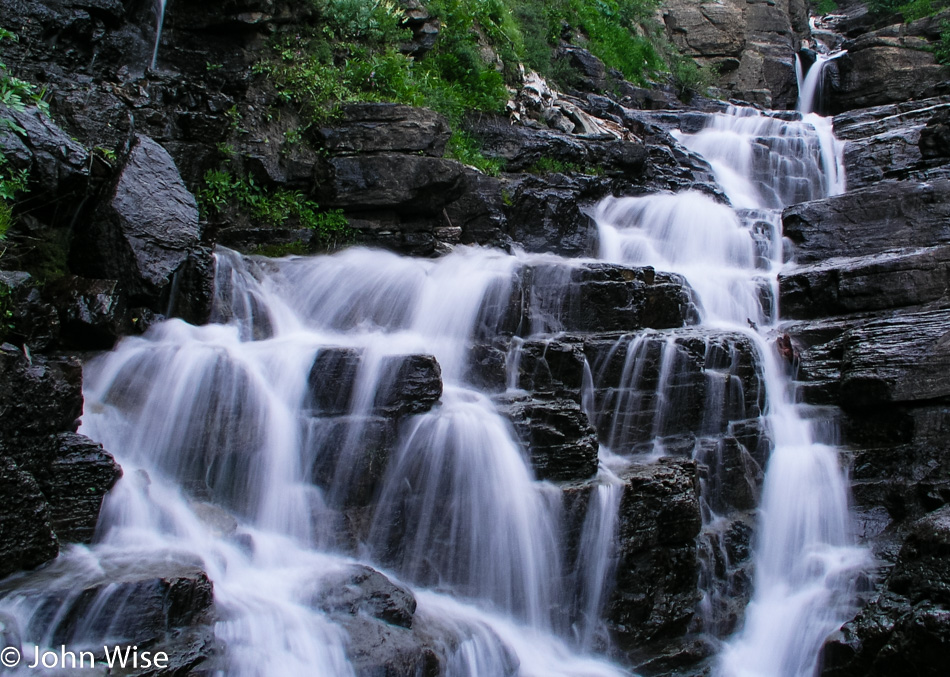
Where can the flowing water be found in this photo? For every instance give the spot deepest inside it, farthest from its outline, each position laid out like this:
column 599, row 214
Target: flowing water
column 243, row 459
column 159, row 20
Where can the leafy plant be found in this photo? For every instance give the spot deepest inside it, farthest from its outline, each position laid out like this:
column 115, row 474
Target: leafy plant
column 547, row 165
column 272, row 207
column 824, row 7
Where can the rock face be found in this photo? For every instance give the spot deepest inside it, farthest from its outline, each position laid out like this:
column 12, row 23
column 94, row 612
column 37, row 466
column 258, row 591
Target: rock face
column 54, row 478
column 385, row 128
column 750, row 43
column 892, row 64
column 144, row 234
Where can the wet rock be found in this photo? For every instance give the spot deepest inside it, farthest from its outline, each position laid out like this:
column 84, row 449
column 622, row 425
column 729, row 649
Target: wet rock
column 80, row 475
column 55, row 162
column 406, row 183
column 38, row 395
column 377, row 649
column 385, row 128
column 894, row 141
column 600, row 297
column 560, row 440
column 906, row 624
column 412, row 385
column 94, row 313
column 869, row 283
column 904, row 358
column 157, row 597
column 144, row 233
column 26, row 535
column 364, row 591
column 888, row 215
column 894, row 63
column 659, row 519
column 32, row 321
column 352, row 454
column 408, row 384
column 479, row 213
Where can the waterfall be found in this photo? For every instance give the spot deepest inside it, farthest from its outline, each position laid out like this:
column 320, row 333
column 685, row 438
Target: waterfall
column 810, row 85
column 805, row 557
column 252, row 446
column 160, row 19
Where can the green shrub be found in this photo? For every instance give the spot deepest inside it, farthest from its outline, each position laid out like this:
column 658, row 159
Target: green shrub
column 824, row 7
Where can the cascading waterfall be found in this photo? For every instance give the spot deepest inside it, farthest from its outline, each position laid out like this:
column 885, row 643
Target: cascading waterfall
column 223, row 429
column 804, row 558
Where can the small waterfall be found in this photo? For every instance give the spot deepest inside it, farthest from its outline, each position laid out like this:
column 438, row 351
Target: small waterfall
column 160, row 19
column 810, row 85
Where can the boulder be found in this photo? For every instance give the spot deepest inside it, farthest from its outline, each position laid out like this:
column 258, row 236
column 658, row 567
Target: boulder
column 144, row 232
column 888, row 215
column 38, row 395
column 408, row 384
column 361, row 590
column 157, row 598
column 32, row 321
column 385, row 128
column 561, row 442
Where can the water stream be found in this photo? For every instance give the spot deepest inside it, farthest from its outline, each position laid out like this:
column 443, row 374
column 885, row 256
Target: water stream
column 237, row 459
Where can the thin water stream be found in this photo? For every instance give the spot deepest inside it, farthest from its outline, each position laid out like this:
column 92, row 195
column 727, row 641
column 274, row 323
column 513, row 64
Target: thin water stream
column 217, row 425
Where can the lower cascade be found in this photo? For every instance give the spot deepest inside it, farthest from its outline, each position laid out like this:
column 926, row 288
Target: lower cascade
column 367, row 450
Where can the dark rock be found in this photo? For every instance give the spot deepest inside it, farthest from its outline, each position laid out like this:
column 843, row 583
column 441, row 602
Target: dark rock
column 560, row 440
column 38, row 395
column 351, row 457
column 408, row 384
column 659, row 518
column 93, row 312
column 26, row 535
column 411, row 384
column 144, row 233
column 894, row 63
column 904, row 358
column 599, row 297
column 32, row 321
column 407, row 183
column 57, row 164
column 894, row 141
column 906, row 624
column 385, row 128
column 876, row 282
column 81, row 474
column 870, row 220
column 935, row 136
column 377, row 649
column 590, row 72
column 158, row 598
column 479, row 212
column 364, row 591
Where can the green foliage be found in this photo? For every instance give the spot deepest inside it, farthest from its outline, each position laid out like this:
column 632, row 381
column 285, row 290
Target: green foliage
column 689, row 77
column 823, row 7
column 551, row 166
column 942, row 48
column 466, row 149
column 223, row 191
column 909, row 11
column 6, row 310
column 15, row 93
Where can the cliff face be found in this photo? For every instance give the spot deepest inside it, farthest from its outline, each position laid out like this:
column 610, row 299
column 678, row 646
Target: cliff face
column 112, row 233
